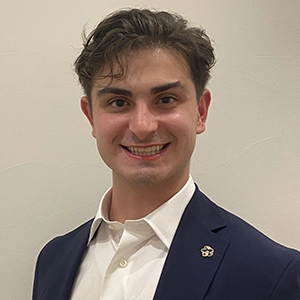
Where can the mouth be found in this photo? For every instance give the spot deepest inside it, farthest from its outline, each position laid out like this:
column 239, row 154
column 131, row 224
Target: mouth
column 146, row 151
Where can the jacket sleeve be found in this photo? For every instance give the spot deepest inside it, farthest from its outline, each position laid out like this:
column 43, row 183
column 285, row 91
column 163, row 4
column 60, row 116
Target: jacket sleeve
column 288, row 286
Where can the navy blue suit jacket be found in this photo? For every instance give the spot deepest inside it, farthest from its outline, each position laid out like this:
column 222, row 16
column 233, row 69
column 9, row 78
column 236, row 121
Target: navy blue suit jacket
column 246, row 264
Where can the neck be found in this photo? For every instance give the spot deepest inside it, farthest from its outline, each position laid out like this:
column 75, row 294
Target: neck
column 131, row 201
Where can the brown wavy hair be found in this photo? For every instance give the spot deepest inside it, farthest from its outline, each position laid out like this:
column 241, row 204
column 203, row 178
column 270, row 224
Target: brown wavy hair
column 128, row 31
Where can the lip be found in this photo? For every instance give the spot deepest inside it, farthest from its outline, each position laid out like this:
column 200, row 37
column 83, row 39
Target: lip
column 145, row 151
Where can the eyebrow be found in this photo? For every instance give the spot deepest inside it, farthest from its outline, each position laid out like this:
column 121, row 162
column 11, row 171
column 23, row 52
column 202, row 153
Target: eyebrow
column 154, row 90
column 164, row 87
column 113, row 90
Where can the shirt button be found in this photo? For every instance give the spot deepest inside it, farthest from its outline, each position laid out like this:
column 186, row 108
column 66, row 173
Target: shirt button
column 123, row 263
column 110, row 226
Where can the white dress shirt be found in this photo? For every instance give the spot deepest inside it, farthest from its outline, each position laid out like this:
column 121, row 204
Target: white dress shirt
column 124, row 261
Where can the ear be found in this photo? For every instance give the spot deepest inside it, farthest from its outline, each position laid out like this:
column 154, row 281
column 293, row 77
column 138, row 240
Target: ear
column 86, row 109
column 203, row 106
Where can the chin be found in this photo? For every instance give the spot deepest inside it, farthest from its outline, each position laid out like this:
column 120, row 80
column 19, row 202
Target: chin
column 145, row 179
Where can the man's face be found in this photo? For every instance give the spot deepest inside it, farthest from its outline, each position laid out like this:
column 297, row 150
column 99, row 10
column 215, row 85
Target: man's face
column 146, row 123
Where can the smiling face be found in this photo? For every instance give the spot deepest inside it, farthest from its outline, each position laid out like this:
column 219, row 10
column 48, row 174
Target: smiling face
column 146, row 123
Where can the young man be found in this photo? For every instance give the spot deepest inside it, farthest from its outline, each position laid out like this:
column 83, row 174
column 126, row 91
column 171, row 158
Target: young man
column 155, row 235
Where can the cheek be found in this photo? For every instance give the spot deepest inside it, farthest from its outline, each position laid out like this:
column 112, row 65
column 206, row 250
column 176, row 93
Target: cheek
column 108, row 129
column 185, row 124
column 103, row 131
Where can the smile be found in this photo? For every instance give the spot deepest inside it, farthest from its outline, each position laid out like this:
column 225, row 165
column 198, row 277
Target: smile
column 146, row 151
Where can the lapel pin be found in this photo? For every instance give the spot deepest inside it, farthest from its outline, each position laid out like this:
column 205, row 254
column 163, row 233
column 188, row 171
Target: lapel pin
column 207, row 251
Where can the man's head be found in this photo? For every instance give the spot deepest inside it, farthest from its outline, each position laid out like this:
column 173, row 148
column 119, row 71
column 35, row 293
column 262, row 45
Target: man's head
column 127, row 32
column 144, row 75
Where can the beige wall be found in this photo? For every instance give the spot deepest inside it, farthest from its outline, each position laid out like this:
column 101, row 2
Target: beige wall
column 50, row 175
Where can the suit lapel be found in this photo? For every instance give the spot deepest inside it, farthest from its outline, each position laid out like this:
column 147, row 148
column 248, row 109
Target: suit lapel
column 186, row 272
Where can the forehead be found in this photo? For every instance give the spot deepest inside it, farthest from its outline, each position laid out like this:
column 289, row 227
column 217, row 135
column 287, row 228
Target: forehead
column 150, row 66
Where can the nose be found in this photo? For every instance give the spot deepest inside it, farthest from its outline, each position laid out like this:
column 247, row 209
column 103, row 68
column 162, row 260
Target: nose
column 143, row 122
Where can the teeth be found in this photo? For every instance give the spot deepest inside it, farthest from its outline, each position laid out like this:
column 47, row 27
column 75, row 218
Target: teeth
column 146, row 151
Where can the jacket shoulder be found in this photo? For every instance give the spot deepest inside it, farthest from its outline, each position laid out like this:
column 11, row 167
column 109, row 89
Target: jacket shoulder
column 63, row 242
column 58, row 262
column 58, row 250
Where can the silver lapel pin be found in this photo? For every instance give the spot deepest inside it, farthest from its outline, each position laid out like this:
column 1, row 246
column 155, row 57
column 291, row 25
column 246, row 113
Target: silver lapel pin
column 207, row 251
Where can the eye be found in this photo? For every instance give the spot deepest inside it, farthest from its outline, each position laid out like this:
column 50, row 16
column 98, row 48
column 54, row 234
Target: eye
column 118, row 103
column 166, row 100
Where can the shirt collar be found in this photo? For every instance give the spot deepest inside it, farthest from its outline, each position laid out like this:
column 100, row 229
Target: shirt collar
column 102, row 213
column 164, row 220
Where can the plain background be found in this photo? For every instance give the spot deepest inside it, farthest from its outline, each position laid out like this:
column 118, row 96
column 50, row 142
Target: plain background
column 51, row 178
